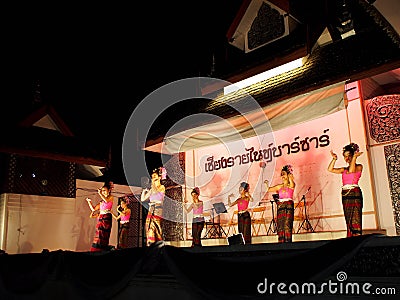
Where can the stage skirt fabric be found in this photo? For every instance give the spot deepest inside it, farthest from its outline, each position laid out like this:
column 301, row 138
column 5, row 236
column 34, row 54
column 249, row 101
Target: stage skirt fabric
column 103, row 231
column 285, row 217
column 244, row 226
column 153, row 225
column 197, row 228
column 352, row 201
column 123, row 235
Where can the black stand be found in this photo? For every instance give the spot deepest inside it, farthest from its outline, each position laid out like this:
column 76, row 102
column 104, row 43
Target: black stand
column 306, row 225
column 216, row 229
column 272, row 224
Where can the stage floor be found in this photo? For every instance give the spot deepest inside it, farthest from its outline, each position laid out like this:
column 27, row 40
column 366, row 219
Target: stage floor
column 267, row 239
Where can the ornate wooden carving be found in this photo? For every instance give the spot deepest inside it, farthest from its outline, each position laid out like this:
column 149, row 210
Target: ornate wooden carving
column 383, row 118
column 392, row 154
column 172, row 208
column 267, row 26
column 136, row 235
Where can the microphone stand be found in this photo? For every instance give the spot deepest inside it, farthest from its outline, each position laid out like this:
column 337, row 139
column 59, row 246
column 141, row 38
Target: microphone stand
column 272, row 226
column 306, row 225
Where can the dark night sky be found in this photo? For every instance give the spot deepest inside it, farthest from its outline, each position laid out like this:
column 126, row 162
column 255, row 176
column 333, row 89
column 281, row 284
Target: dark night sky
column 118, row 57
column 95, row 64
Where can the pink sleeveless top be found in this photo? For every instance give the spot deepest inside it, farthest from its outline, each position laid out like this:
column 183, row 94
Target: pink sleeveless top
column 105, row 207
column 286, row 193
column 125, row 219
column 350, row 178
column 198, row 210
column 242, row 204
column 156, row 197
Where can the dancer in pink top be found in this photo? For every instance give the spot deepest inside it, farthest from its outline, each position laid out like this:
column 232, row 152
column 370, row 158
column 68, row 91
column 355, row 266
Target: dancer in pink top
column 352, row 198
column 104, row 218
column 285, row 212
column 155, row 196
column 124, row 215
column 244, row 218
column 198, row 221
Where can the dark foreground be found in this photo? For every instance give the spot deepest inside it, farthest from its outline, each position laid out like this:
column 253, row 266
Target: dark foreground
column 364, row 267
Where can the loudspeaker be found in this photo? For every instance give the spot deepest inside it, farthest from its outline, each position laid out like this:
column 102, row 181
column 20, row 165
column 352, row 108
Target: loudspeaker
column 236, row 239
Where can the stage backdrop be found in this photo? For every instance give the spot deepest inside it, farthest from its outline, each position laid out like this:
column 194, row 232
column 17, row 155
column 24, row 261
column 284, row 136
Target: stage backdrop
column 218, row 170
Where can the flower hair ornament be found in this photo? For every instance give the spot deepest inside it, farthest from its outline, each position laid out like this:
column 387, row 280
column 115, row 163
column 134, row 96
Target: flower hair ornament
column 163, row 173
column 355, row 147
column 196, row 190
column 245, row 186
column 126, row 199
column 109, row 185
column 352, row 147
column 288, row 169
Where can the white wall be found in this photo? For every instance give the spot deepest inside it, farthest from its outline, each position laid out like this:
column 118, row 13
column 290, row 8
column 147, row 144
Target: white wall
column 33, row 223
column 384, row 200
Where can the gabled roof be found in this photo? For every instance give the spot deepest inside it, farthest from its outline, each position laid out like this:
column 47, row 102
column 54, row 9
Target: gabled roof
column 374, row 49
column 46, row 117
column 43, row 133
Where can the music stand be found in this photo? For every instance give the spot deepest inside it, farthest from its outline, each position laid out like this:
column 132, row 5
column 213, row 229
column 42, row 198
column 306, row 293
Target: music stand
column 220, row 208
column 216, row 229
column 306, row 225
column 272, row 225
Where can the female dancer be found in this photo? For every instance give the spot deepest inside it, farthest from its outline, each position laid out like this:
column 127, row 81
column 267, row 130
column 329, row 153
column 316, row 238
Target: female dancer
column 156, row 197
column 198, row 218
column 244, row 219
column 124, row 214
column 352, row 198
column 285, row 205
column 104, row 219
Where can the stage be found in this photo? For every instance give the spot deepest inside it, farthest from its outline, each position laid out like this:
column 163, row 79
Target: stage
column 342, row 268
column 221, row 239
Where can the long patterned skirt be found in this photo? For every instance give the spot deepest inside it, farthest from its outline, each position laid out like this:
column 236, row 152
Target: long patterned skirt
column 103, row 231
column 285, row 217
column 352, row 201
column 244, row 226
column 197, row 228
column 153, row 225
column 123, row 235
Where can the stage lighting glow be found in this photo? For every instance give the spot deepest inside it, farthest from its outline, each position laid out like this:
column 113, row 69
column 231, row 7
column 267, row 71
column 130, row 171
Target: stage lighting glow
column 265, row 75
